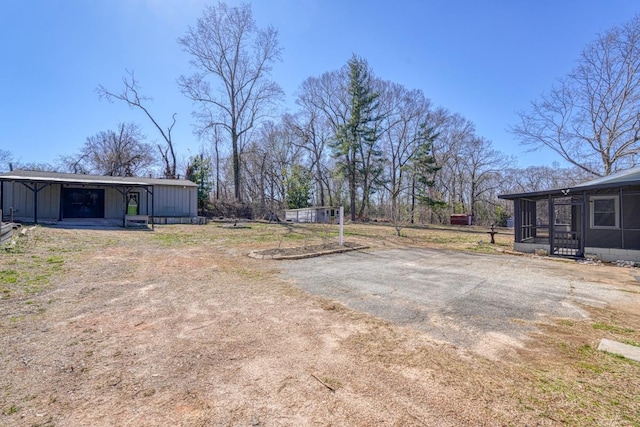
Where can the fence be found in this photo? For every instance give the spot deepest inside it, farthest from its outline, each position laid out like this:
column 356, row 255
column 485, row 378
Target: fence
column 6, row 231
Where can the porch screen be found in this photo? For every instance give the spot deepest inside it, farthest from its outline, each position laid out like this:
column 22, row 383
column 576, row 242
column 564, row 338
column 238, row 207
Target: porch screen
column 631, row 211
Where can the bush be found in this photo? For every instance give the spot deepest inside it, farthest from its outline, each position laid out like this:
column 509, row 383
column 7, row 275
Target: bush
column 228, row 209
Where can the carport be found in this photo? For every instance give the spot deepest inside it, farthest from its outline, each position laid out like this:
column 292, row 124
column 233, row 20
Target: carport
column 32, row 196
column 36, row 196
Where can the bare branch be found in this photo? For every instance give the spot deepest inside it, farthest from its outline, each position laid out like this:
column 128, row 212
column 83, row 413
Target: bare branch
column 131, row 96
column 591, row 118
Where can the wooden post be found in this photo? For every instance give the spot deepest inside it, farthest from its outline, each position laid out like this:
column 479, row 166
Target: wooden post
column 341, row 238
column 35, row 203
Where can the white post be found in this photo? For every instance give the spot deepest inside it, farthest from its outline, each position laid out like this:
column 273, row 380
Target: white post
column 341, row 238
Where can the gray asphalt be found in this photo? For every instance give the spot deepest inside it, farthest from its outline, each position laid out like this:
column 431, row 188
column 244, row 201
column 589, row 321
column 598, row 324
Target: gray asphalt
column 457, row 298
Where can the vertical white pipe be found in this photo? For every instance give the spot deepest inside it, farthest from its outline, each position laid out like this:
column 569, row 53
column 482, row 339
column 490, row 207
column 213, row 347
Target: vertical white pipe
column 341, row 238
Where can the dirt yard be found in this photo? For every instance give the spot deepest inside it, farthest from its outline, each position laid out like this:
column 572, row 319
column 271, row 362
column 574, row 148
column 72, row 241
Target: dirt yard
column 178, row 327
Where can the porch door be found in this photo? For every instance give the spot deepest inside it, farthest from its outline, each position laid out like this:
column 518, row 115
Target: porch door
column 568, row 226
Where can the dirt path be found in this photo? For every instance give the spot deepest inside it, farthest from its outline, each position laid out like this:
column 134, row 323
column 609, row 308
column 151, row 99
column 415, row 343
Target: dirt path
column 178, row 327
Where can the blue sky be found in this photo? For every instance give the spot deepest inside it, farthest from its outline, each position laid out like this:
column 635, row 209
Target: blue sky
column 482, row 59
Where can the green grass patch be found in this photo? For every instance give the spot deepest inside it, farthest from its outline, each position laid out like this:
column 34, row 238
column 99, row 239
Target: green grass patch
column 588, row 399
column 248, row 273
column 593, row 367
column 487, row 248
column 567, row 322
column 55, row 261
column 586, row 350
column 632, row 342
column 169, row 236
column 178, row 239
column 611, row 328
column 10, row 410
column 8, row 277
column 31, row 263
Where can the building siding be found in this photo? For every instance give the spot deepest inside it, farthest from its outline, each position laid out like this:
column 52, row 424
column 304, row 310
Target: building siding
column 19, row 198
column 113, row 204
column 175, row 201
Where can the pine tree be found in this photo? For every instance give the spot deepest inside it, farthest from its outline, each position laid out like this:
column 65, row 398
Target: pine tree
column 298, row 188
column 199, row 171
column 356, row 140
column 424, row 167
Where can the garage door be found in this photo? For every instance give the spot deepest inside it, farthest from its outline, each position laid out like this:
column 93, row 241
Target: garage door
column 82, row 203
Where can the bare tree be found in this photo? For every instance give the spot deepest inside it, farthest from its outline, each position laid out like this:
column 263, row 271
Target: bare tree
column 540, row 178
column 233, row 59
column 5, row 159
column 114, row 153
column 132, row 97
column 324, row 104
column 405, row 114
column 312, row 134
column 267, row 160
column 454, row 132
column 56, row 166
column 482, row 169
column 214, row 134
column 590, row 118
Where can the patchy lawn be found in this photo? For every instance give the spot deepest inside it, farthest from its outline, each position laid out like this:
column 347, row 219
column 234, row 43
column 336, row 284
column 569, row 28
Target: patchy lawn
column 179, row 327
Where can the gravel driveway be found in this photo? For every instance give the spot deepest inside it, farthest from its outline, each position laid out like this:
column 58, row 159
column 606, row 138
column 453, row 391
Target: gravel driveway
column 478, row 302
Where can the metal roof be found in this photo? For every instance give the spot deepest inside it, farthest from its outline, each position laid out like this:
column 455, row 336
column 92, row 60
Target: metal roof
column 623, row 178
column 71, row 178
column 532, row 194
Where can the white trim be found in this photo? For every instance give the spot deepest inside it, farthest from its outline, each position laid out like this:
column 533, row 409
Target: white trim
column 616, row 208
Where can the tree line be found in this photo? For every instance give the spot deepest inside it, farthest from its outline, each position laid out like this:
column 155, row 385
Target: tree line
column 382, row 150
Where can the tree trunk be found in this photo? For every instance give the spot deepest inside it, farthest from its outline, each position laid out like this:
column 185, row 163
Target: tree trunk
column 320, row 183
column 365, row 198
column 236, row 166
column 352, row 190
column 394, row 198
column 413, row 199
column 217, row 170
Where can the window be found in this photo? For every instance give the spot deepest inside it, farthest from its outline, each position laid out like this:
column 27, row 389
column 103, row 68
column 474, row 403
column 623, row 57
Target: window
column 604, row 212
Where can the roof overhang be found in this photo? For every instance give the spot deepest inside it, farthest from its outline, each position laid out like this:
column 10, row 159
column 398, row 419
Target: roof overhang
column 25, row 176
column 624, row 178
column 76, row 180
column 578, row 189
column 534, row 194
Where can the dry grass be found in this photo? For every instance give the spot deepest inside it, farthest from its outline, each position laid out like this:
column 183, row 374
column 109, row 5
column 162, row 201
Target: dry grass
column 179, row 327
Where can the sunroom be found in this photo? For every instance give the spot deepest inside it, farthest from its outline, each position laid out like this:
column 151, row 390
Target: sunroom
column 599, row 218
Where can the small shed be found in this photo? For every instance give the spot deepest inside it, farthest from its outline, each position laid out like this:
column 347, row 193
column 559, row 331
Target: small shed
column 461, row 219
column 35, row 196
column 316, row 214
column 599, row 217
